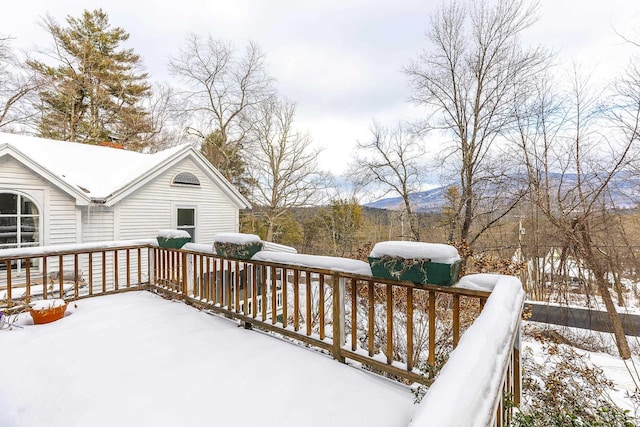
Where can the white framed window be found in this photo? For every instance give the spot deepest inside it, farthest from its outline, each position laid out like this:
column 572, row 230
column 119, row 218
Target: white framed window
column 19, row 221
column 186, row 220
column 19, row 224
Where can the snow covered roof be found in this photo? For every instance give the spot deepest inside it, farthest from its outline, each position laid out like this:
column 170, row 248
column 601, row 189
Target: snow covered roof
column 96, row 173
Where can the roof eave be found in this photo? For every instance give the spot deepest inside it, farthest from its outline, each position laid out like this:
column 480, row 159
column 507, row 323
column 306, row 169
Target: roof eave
column 80, row 197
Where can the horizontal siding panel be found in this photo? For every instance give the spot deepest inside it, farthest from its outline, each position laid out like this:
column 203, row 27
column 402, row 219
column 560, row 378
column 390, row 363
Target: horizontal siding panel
column 62, row 218
column 149, row 209
column 14, row 173
column 97, row 223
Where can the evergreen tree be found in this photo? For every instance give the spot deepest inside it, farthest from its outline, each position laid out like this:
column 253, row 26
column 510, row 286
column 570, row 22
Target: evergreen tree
column 227, row 158
column 93, row 91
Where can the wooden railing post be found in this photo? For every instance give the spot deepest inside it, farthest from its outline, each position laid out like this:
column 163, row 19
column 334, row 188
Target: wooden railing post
column 151, row 265
column 9, row 286
column 517, row 369
column 338, row 316
column 185, row 275
column 188, row 268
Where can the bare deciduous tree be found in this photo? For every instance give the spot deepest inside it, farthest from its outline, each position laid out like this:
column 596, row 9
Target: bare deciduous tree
column 282, row 163
column 393, row 160
column 167, row 117
column 572, row 152
column 222, row 90
column 468, row 80
column 15, row 85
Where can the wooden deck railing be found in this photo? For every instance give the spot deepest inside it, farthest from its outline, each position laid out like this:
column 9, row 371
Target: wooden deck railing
column 397, row 329
column 65, row 272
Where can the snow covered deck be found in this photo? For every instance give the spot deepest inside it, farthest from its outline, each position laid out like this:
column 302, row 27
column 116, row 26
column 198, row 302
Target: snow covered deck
column 395, row 328
column 138, row 359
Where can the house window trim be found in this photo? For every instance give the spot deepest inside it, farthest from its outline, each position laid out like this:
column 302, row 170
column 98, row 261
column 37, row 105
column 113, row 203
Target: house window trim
column 174, row 218
column 41, row 213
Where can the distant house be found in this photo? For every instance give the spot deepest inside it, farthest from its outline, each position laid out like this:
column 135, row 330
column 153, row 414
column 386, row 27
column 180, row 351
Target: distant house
column 54, row 192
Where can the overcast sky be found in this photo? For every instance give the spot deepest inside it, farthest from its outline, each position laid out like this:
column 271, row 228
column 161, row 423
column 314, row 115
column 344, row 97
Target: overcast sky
column 339, row 60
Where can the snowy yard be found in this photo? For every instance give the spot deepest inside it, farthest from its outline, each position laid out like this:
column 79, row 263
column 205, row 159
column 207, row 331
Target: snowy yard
column 138, row 359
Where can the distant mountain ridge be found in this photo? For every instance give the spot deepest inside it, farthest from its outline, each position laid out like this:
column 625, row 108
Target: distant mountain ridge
column 424, row 201
column 624, row 194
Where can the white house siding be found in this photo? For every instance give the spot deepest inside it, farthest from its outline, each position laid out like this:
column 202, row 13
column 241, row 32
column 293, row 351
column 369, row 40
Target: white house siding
column 57, row 209
column 152, row 207
column 97, row 223
column 62, row 219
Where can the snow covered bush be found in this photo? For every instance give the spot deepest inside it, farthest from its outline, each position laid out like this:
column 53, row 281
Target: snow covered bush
column 237, row 245
column 566, row 389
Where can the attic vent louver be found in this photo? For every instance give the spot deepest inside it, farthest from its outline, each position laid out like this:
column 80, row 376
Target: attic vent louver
column 186, row 178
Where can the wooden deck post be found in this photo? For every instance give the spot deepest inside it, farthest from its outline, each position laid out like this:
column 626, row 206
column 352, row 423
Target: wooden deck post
column 517, row 369
column 338, row 316
column 185, row 275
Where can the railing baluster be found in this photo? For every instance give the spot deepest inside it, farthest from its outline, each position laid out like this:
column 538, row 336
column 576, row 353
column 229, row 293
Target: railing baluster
column 236, row 291
column 274, row 294
column 254, row 290
column 227, row 279
column 208, row 284
column 60, row 276
column 28, row 274
column 321, row 305
column 161, row 267
column 263, row 291
column 432, row 328
column 337, row 318
column 197, row 291
column 308, row 320
column 410, row 329
column 115, row 269
column 389, row 323
column 90, row 278
column 456, row 320
column 75, row 275
column 104, row 271
column 296, row 299
column 9, row 286
column 216, row 289
column 354, row 314
column 285, row 278
column 370, row 316
column 139, row 266
column 174, row 273
column 128, row 255
column 245, row 285
column 182, row 257
column 44, row 278
column 517, row 370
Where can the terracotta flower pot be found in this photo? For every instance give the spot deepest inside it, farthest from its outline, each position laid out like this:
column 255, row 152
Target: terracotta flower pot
column 42, row 314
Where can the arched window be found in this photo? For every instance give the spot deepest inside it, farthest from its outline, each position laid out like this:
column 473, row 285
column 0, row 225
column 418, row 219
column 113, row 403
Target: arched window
column 19, row 221
column 186, row 178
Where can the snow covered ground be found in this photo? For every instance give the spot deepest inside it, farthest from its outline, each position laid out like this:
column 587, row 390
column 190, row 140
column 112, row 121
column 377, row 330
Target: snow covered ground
column 624, row 374
column 137, row 359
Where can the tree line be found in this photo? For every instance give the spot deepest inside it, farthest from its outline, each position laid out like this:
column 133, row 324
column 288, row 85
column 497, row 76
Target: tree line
column 520, row 144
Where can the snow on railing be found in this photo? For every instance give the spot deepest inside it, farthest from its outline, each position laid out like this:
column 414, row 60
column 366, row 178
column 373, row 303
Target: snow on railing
column 469, row 390
column 72, row 270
